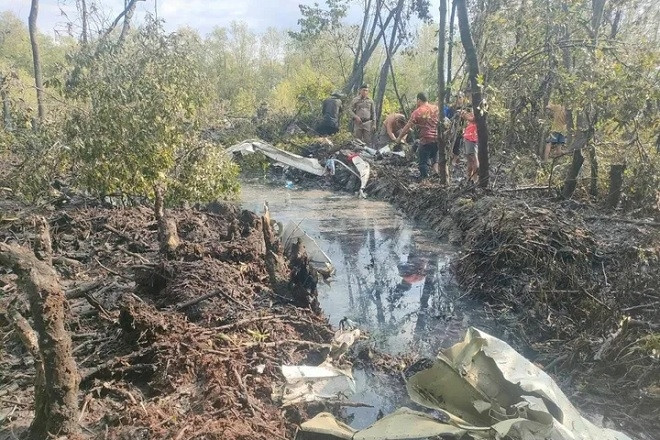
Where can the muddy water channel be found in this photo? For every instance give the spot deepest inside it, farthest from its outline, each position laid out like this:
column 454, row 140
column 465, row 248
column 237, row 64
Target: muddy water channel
column 391, row 278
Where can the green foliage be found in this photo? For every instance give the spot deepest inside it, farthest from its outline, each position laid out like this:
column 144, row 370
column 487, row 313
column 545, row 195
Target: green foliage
column 315, row 19
column 203, row 174
column 137, row 106
column 38, row 158
column 305, row 88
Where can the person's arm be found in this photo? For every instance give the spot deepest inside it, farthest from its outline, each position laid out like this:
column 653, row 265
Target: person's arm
column 351, row 111
column 405, row 130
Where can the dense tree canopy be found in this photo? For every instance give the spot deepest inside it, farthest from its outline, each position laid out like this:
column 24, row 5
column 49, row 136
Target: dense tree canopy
column 597, row 58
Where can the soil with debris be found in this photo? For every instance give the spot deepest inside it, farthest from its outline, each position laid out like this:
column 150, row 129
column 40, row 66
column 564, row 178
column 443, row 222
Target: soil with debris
column 576, row 287
column 183, row 345
column 577, row 290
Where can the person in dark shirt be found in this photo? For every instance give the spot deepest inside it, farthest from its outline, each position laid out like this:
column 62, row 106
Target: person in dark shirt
column 331, row 110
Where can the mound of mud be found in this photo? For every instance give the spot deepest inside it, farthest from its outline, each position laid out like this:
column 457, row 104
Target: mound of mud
column 178, row 345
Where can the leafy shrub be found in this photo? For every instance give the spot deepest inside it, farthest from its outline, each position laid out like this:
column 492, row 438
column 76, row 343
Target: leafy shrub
column 138, row 105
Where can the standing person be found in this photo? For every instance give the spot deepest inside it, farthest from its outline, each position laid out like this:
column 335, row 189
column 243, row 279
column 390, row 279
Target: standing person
column 471, row 144
column 331, row 110
column 425, row 117
column 391, row 128
column 363, row 112
column 556, row 140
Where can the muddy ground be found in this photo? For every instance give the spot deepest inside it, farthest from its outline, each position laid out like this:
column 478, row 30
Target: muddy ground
column 155, row 361
column 576, row 287
column 577, row 294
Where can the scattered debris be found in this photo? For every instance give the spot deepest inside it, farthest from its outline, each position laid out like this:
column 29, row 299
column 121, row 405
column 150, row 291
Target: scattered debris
column 481, row 387
column 310, row 384
column 306, row 164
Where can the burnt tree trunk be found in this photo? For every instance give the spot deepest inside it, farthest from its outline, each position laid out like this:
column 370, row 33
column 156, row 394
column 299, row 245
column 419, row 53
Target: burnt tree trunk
column 168, row 236
column 616, row 183
column 571, row 179
column 443, row 172
column 477, row 101
column 274, row 257
column 59, row 395
column 593, row 163
column 36, row 59
column 582, row 136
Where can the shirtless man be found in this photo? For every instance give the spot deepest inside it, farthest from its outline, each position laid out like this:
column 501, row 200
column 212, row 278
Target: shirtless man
column 390, row 130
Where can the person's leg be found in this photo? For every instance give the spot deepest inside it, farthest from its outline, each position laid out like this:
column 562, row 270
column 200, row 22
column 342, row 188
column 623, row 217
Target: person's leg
column 550, row 143
column 471, row 166
column 471, row 155
column 357, row 131
column 433, row 153
column 546, row 151
column 475, row 166
column 368, row 134
column 423, row 161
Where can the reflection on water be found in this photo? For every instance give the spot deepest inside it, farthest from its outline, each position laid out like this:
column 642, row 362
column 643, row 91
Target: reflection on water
column 390, row 278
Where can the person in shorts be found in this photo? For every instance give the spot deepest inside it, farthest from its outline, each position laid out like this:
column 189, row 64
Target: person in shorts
column 471, row 144
column 556, row 141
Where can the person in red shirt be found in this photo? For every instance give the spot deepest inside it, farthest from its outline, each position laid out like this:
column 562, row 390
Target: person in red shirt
column 471, row 144
column 425, row 117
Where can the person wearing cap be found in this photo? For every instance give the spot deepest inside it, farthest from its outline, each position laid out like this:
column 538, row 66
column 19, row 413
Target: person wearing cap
column 363, row 112
column 425, row 117
column 331, row 110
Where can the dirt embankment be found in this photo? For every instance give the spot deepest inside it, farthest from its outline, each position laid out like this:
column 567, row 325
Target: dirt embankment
column 578, row 293
column 182, row 345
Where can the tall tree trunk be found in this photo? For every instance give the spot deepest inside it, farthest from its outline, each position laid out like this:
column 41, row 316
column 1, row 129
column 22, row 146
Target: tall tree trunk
column 369, row 45
column 593, row 162
column 36, row 59
column 130, row 10
column 83, row 7
column 586, row 118
column 582, row 136
column 616, row 183
column 59, row 416
column 390, row 49
column 450, row 50
column 442, row 141
column 477, row 101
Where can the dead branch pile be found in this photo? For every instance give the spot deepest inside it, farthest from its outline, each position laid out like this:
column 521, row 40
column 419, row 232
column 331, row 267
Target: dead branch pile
column 171, row 341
